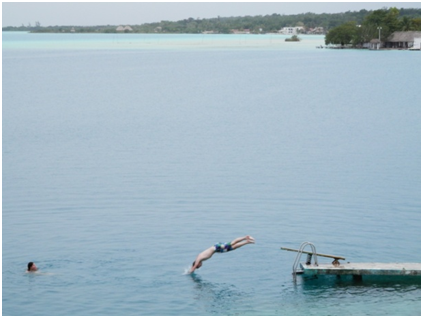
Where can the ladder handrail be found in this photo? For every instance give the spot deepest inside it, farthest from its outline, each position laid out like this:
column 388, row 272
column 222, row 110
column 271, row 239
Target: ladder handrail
column 300, row 252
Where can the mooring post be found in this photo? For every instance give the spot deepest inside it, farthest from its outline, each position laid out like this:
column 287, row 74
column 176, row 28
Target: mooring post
column 309, row 256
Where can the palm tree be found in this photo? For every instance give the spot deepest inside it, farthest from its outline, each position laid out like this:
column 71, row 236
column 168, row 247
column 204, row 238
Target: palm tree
column 406, row 24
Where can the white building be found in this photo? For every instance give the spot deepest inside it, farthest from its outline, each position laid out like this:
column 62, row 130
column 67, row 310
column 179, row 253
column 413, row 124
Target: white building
column 291, row 30
column 417, row 45
column 123, row 29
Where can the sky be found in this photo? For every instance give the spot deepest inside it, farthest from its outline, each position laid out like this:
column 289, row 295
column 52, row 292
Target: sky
column 114, row 13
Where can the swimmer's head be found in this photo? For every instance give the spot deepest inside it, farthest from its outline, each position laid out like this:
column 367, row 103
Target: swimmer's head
column 32, row 267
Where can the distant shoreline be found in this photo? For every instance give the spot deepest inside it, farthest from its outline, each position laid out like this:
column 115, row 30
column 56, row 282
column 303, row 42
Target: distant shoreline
column 270, row 23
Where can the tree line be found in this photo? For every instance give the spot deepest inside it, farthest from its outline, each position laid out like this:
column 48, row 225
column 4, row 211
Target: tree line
column 224, row 25
column 383, row 22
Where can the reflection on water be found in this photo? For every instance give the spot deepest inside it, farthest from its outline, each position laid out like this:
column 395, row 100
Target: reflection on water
column 372, row 292
column 217, row 298
column 342, row 295
column 311, row 282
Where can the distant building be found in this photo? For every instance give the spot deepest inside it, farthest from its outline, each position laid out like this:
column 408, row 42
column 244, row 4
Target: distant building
column 245, row 31
column 403, row 39
column 124, row 29
column 291, row 30
column 374, row 44
column 317, row 30
column 417, row 44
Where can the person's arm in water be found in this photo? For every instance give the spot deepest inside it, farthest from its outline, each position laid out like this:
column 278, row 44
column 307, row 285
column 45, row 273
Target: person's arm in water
column 205, row 255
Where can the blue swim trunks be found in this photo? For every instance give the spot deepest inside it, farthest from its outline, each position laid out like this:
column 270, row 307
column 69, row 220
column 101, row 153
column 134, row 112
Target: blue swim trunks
column 222, row 247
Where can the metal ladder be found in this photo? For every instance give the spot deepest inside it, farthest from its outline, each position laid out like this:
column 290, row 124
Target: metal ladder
column 309, row 257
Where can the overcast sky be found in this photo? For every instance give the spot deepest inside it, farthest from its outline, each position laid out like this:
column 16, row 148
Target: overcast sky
column 114, row 13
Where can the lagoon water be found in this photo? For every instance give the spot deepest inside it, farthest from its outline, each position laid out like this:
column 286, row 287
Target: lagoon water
column 124, row 156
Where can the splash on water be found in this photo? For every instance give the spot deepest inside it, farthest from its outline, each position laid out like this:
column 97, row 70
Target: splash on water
column 186, row 271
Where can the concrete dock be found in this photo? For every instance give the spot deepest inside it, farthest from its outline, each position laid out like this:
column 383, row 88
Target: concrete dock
column 359, row 269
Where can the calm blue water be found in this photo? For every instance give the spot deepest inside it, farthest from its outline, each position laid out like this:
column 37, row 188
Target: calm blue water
column 124, row 157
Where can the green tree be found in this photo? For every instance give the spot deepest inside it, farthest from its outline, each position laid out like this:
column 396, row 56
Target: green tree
column 406, row 24
column 385, row 19
column 346, row 33
column 391, row 20
column 417, row 24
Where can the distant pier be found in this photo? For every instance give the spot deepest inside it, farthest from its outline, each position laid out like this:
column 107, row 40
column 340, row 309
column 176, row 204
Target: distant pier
column 360, row 269
column 357, row 270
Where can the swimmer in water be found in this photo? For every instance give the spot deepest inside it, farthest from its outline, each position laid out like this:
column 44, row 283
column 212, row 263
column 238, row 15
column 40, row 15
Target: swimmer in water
column 220, row 248
column 32, row 267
